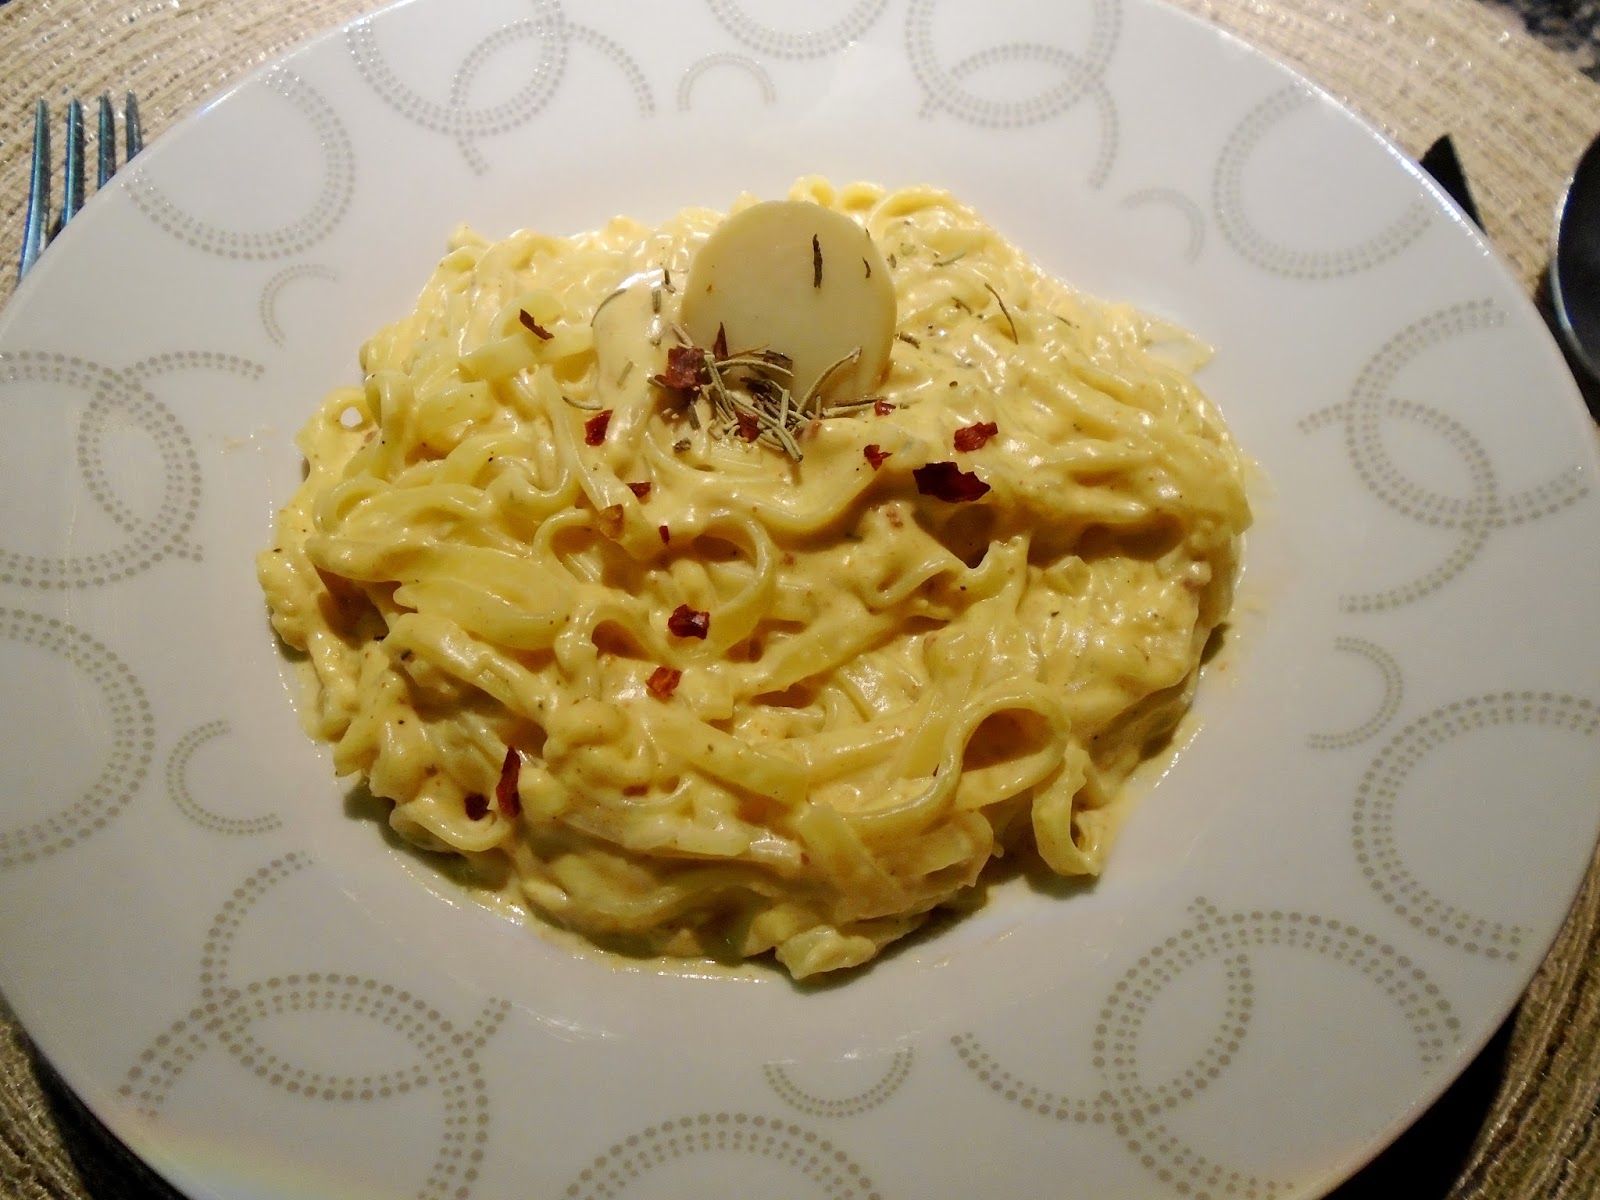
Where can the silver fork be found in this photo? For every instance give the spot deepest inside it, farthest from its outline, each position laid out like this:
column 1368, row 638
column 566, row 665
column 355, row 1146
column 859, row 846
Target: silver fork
column 39, row 228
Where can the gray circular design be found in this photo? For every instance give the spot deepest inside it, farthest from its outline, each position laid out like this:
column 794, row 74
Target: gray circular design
column 1372, row 817
column 609, row 48
column 1227, row 198
column 749, row 66
column 833, row 1172
column 1186, row 208
column 149, row 540
column 446, row 1055
column 1132, row 1108
column 183, row 797
column 943, row 88
column 133, row 736
column 1474, row 517
column 1393, row 692
column 455, row 118
column 796, row 1097
column 1081, row 81
column 818, row 43
column 329, row 208
column 268, row 305
column 172, row 361
column 465, row 123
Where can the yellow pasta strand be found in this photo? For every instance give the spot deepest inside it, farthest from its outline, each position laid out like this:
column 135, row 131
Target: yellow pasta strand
column 508, row 533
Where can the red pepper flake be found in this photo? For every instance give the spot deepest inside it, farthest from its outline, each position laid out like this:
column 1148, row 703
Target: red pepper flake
column 719, row 347
column 641, row 490
column 666, row 534
column 663, row 682
column 691, row 622
column 532, row 326
column 946, row 481
column 477, row 806
column 594, row 429
column 505, row 792
column 749, row 427
column 686, row 369
column 875, row 454
column 882, row 408
column 974, row 436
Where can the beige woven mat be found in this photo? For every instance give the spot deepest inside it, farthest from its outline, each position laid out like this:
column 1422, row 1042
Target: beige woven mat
column 1526, row 1120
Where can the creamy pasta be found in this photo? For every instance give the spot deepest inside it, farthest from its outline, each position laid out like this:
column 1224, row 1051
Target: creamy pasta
column 714, row 685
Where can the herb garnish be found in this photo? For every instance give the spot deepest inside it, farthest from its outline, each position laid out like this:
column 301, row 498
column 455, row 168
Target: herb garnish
column 816, row 261
column 505, row 791
column 1006, row 312
column 532, row 326
column 747, row 393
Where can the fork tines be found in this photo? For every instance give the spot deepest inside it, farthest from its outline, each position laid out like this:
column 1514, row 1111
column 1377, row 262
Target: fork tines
column 39, row 227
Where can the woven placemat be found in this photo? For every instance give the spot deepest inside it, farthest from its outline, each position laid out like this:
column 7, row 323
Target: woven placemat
column 1525, row 1121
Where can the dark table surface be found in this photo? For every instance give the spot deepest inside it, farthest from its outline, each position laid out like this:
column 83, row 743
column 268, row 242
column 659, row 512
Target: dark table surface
column 1570, row 26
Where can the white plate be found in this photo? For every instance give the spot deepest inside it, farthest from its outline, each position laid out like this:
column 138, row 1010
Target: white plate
column 1311, row 923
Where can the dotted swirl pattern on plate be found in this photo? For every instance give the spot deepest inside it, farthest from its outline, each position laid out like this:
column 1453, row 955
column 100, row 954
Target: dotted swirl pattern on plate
column 1240, row 231
column 116, row 394
column 1193, row 217
column 190, row 806
column 1132, row 1107
column 739, row 62
column 780, row 1078
column 226, row 1010
column 127, row 758
column 816, row 43
column 293, row 237
column 466, row 124
column 1473, row 517
column 945, row 89
column 830, row 1173
column 1372, row 832
column 1393, row 684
